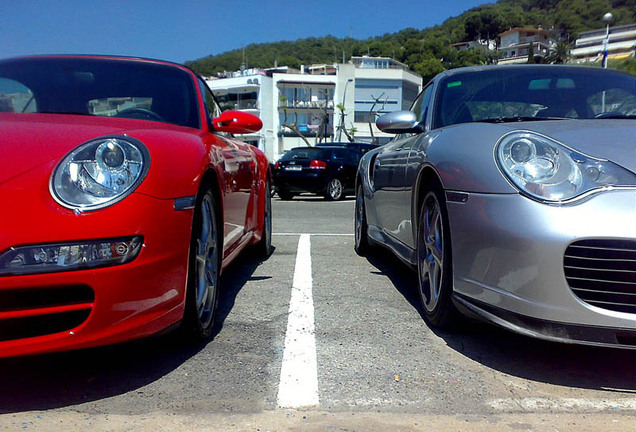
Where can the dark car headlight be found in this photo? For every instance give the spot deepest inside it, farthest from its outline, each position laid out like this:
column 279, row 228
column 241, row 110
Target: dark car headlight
column 100, row 173
column 548, row 171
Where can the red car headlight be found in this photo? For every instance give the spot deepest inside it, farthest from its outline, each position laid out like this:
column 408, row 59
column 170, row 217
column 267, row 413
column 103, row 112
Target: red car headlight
column 100, row 173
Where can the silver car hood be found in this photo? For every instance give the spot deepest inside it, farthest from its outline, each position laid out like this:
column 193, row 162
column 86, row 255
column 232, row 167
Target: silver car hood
column 614, row 140
column 463, row 153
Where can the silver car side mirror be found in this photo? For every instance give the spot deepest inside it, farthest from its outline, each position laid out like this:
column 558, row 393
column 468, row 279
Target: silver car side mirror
column 398, row 122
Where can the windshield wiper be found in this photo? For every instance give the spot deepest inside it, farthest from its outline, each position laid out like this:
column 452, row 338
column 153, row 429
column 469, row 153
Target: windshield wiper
column 513, row 119
column 66, row 113
column 611, row 115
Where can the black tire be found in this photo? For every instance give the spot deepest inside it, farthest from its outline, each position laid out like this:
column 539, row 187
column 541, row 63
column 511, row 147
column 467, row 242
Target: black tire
column 204, row 271
column 284, row 194
column 361, row 228
column 264, row 245
column 334, row 190
column 434, row 266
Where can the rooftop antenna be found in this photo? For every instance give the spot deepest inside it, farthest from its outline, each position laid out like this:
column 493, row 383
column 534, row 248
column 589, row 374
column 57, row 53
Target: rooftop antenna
column 243, row 63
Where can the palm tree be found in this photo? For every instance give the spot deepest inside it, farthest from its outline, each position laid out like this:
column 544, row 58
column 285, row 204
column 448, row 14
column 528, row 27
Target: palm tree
column 559, row 53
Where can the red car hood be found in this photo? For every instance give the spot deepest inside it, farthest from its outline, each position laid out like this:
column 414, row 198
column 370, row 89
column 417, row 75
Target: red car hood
column 30, row 140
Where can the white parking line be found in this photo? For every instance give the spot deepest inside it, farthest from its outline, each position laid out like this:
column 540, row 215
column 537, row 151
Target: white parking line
column 313, row 234
column 298, row 385
column 561, row 405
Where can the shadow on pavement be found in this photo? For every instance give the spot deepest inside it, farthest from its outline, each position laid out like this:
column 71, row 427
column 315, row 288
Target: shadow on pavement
column 554, row 363
column 69, row 378
column 314, row 198
column 234, row 278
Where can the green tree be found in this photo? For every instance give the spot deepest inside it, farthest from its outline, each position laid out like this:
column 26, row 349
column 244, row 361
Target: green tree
column 531, row 59
column 628, row 65
column 429, row 68
column 427, row 49
column 559, row 53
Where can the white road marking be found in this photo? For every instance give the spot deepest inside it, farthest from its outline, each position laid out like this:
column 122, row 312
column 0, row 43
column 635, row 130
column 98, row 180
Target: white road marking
column 298, row 385
column 561, row 404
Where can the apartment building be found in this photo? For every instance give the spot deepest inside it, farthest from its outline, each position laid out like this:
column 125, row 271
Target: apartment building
column 304, row 106
column 377, row 85
column 248, row 90
column 515, row 44
column 589, row 46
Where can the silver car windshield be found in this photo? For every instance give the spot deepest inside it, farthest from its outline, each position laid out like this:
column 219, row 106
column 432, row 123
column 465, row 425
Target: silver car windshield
column 500, row 94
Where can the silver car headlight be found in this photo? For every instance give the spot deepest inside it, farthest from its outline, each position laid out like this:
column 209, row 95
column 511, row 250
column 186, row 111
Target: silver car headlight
column 100, row 173
column 548, row 171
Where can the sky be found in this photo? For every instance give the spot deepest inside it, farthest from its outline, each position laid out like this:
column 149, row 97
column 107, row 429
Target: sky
column 182, row 30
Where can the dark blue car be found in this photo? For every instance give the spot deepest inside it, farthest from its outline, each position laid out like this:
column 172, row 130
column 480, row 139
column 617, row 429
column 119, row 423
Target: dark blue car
column 323, row 170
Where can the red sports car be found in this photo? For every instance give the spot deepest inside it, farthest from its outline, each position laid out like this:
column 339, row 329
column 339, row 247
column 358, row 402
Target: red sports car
column 124, row 195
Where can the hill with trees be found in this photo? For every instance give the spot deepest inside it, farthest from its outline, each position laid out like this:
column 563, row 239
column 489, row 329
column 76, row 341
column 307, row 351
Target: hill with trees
column 429, row 51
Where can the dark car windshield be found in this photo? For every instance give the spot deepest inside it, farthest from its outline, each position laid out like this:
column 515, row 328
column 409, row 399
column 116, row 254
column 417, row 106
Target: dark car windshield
column 100, row 87
column 321, row 153
column 305, row 153
column 500, row 94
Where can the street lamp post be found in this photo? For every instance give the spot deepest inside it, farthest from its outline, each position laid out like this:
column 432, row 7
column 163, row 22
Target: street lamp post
column 607, row 19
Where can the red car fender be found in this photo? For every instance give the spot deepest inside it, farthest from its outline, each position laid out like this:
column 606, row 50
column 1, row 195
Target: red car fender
column 263, row 167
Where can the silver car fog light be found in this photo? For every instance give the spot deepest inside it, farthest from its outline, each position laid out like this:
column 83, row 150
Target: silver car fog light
column 548, row 171
column 49, row 258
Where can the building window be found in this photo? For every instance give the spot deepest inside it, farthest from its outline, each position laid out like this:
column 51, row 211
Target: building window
column 362, row 116
column 240, row 101
column 306, row 97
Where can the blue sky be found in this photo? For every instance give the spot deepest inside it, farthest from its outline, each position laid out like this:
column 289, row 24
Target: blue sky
column 190, row 29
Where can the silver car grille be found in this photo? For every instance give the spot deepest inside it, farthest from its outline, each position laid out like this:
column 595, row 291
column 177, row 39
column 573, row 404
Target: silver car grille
column 602, row 273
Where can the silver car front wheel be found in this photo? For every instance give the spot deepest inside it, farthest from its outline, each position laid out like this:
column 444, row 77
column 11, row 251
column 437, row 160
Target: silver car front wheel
column 361, row 228
column 434, row 261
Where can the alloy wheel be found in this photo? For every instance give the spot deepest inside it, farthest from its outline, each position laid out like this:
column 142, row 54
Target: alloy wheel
column 264, row 246
column 207, row 264
column 361, row 229
column 431, row 253
column 335, row 189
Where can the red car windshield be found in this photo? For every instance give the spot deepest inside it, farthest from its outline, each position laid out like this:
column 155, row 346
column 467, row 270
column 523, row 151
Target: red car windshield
column 98, row 86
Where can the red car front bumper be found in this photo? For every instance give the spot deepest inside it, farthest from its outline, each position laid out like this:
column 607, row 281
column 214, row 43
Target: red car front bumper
column 83, row 308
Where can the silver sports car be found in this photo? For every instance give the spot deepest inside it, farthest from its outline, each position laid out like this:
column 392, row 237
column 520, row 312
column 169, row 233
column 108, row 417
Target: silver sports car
column 512, row 191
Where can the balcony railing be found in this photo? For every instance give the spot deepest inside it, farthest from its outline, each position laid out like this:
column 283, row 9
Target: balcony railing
column 241, row 105
column 306, row 104
column 308, row 131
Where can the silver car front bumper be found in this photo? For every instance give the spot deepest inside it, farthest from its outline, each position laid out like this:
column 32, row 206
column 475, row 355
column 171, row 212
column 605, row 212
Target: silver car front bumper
column 509, row 265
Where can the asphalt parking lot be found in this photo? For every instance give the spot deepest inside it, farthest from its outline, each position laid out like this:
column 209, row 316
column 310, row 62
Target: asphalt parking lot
column 357, row 357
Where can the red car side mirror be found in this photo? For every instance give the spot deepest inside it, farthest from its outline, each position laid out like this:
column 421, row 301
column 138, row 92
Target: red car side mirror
column 237, row 122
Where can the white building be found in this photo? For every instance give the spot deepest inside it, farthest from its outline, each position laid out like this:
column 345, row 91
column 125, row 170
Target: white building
column 480, row 44
column 306, row 102
column 515, row 44
column 380, row 85
column 249, row 91
column 589, row 45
